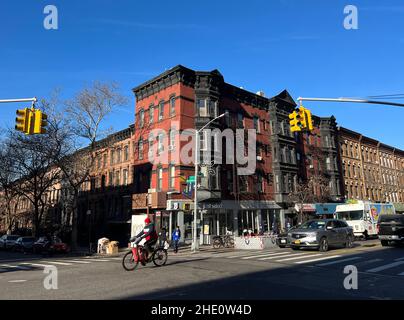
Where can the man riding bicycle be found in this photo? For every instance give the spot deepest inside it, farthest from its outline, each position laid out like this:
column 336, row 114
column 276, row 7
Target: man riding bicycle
column 148, row 232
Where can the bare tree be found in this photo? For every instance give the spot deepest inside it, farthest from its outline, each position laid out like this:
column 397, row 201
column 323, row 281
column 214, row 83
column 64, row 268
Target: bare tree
column 83, row 127
column 314, row 189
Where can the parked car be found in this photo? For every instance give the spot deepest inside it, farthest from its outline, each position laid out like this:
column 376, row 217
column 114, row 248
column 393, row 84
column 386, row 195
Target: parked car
column 24, row 244
column 7, row 241
column 50, row 246
column 391, row 229
column 321, row 234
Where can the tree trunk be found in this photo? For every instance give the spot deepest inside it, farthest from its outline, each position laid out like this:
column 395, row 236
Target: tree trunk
column 74, row 235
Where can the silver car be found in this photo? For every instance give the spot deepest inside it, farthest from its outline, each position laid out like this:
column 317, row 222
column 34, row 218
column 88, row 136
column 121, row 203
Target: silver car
column 321, row 234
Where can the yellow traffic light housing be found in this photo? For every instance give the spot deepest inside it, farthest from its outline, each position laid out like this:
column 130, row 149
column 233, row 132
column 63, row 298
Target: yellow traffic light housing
column 23, row 120
column 294, row 122
column 40, row 122
column 300, row 119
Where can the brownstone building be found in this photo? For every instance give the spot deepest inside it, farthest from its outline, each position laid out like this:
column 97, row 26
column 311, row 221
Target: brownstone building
column 372, row 170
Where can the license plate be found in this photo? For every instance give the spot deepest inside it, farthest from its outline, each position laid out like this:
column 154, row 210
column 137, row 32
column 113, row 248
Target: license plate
column 297, row 242
column 283, row 241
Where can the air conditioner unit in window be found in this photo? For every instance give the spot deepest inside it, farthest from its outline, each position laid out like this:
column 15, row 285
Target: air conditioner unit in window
column 259, row 158
column 311, row 166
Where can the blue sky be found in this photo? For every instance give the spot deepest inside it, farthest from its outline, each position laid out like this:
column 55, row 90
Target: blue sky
column 299, row 45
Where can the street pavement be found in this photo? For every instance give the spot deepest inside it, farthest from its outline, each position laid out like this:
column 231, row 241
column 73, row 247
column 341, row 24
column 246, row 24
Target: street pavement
column 212, row 274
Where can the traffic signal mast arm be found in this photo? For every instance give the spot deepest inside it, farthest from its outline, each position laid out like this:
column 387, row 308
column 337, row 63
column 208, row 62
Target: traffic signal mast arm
column 33, row 100
column 352, row 100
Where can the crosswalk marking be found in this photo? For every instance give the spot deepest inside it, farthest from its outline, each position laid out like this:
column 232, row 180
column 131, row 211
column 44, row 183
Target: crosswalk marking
column 338, row 261
column 97, row 260
column 386, row 266
column 369, row 261
column 36, row 264
column 241, row 254
column 399, row 259
column 78, row 261
column 58, row 263
column 14, row 267
column 281, row 256
column 301, row 257
column 264, row 255
column 401, row 274
column 318, row 259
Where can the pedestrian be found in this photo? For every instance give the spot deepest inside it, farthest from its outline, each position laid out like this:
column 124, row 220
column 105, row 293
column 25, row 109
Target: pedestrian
column 176, row 236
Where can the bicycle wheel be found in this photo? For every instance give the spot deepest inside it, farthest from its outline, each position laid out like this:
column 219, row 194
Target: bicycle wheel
column 128, row 261
column 217, row 243
column 230, row 243
column 159, row 257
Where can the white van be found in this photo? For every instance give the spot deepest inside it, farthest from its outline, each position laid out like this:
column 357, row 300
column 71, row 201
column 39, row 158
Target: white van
column 362, row 216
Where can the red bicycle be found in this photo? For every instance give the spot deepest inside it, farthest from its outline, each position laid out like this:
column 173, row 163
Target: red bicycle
column 132, row 258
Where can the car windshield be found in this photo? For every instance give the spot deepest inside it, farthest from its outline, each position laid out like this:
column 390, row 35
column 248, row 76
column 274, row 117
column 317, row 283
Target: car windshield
column 391, row 218
column 313, row 225
column 350, row 215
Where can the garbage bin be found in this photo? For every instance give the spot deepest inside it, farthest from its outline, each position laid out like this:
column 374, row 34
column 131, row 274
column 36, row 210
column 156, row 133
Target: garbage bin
column 112, row 247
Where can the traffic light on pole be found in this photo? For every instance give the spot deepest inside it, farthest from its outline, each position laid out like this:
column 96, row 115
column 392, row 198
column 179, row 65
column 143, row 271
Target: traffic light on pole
column 23, row 120
column 40, row 122
column 294, row 122
column 305, row 118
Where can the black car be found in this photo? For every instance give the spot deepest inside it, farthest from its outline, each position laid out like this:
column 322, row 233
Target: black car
column 391, row 229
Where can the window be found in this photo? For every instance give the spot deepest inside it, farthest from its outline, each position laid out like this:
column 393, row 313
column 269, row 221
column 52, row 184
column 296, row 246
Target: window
column 98, row 162
column 243, row 183
column 111, row 178
column 202, row 110
column 213, row 108
column 141, row 118
column 151, row 114
column 126, row 153
column 257, row 124
column 159, row 178
column 227, row 117
column 125, row 177
column 203, row 141
column 172, row 138
column 160, row 141
column 111, row 160
column 161, row 110
column 172, row 177
column 327, row 141
column 277, row 183
column 104, row 162
column 150, row 145
column 172, row 106
column 118, row 155
column 328, row 163
column 240, row 120
column 118, row 177
column 229, row 180
column 260, row 184
column 140, row 149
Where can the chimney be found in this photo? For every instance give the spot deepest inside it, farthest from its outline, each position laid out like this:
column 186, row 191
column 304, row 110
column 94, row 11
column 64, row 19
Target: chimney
column 261, row 93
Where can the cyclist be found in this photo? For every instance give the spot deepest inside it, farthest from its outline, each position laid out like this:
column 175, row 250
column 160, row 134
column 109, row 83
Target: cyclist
column 149, row 233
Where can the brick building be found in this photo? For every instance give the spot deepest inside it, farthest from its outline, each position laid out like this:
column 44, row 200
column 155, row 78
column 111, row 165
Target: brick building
column 371, row 170
column 181, row 99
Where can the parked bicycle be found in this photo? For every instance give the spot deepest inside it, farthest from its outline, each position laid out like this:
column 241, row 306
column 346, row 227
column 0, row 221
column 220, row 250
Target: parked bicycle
column 137, row 255
column 225, row 242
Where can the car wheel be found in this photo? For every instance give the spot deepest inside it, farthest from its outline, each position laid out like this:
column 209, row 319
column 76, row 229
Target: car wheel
column 282, row 246
column 295, row 248
column 349, row 242
column 323, row 245
column 384, row 243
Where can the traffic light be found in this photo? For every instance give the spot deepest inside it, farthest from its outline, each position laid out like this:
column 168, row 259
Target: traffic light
column 40, row 122
column 305, row 118
column 294, row 122
column 23, row 120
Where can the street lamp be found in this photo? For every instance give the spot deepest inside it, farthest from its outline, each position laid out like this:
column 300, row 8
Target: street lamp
column 195, row 245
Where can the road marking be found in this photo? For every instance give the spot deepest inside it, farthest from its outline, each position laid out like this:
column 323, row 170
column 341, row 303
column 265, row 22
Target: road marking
column 278, row 256
column 92, row 259
column 264, row 255
column 242, row 254
column 36, row 264
column 399, row 259
column 369, row 261
column 59, row 263
column 296, row 258
column 401, row 274
column 17, row 281
column 77, row 261
column 15, row 267
column 386, row 266
column 338, row 261
column 318, row 259
column 116, row 258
